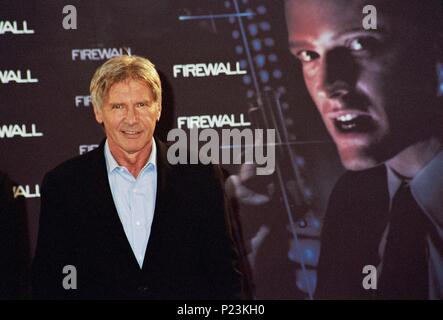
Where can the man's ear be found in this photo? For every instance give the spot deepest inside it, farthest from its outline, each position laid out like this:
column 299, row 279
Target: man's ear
column 159, row 109
column 98, row 114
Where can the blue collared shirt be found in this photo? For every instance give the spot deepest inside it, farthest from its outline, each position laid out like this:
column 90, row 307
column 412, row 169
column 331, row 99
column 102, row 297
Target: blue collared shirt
column 134, row 199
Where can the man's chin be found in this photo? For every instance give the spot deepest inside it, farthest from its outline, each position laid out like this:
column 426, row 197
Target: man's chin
column 356, row 162
column 131, row 147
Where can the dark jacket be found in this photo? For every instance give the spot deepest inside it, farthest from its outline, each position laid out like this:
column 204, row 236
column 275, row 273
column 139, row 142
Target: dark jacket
column 354, row 223
column 189, row 254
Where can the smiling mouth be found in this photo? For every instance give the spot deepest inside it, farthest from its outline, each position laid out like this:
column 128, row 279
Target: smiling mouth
column 131, row 133
column 353, row 122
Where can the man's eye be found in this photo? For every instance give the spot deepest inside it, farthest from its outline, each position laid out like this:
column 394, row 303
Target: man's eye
column 142, row 104
column 307, row 56
column 117, row 106
column 362, row 43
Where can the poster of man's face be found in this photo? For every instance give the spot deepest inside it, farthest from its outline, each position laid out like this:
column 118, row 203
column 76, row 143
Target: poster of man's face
column 372, row 72
column 375, row 89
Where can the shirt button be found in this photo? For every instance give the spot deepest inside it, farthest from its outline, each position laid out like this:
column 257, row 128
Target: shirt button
column 137, row 223
column 135, row 190
column 140, row 258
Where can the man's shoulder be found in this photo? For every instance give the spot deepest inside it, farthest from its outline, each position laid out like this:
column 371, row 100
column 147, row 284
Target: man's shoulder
column 355, row 204
column 358, row 188
column 360, row 180
column 76, row 166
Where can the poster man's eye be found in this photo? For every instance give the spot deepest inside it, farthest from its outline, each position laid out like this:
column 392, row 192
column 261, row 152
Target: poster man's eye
column 307, row 56
column 356, row 44
column 362, row 43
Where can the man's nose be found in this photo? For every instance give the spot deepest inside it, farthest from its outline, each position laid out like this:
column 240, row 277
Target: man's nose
column 338, row 74
column 131, row 115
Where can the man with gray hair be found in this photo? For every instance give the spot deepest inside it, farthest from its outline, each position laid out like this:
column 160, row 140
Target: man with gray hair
column 120, row 222
column 377, row 91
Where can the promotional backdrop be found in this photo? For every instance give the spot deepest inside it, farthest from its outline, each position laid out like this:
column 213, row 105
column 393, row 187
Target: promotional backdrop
column 228, row 60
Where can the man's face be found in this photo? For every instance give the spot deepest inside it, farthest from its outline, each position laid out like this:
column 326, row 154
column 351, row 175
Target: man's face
column 373, row 88
column 129, row 116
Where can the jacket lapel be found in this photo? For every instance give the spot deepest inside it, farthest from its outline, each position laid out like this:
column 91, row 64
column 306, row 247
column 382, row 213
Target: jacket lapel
column 101, row 196
column 163, row 197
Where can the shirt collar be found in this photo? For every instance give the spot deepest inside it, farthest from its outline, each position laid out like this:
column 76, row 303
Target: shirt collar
column 394, row 182
column 112, row 164
column 426, row 187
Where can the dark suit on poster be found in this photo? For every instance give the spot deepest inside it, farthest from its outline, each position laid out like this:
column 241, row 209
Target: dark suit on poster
column 369, row 221
column 189, row 253
column 353, row 226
